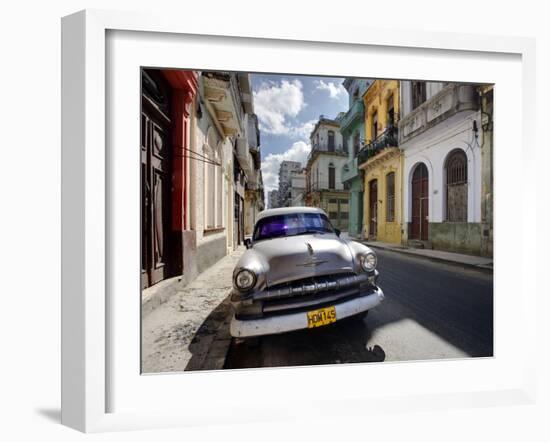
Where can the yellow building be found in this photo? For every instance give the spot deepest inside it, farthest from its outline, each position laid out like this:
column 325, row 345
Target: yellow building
column 382, row 163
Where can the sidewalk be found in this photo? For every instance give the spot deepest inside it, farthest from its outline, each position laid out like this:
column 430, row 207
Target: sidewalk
column 439, row 255
column 190, row 331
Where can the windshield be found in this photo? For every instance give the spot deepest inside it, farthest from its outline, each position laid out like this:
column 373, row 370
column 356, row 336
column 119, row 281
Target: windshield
column 291, row 224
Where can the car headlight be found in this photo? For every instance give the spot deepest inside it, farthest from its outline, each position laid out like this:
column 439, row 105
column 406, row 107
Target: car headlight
column 245, row 280
column 368, row 261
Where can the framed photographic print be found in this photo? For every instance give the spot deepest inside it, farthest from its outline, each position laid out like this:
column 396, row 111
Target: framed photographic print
column 310, row 219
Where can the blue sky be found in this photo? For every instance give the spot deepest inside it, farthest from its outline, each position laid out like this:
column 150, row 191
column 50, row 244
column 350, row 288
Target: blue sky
column 288, row 107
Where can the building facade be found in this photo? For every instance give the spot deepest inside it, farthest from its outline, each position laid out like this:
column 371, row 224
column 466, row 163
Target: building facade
column 446, row 147
column 285, row 170
column 324, row 186
column 352, row 128
column 273, row 199
column 381, row 162
column 297, row 187
column 200, row 157
column 167, row 117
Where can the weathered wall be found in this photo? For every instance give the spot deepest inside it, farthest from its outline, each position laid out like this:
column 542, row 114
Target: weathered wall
column 387, row 231
column 322, row 131
column 432, row 149
column 204, row 134
column 458, row 237
column 321, row 164
column 210, row 251
column 432, row 88
column 356, row 207
column 376, row 102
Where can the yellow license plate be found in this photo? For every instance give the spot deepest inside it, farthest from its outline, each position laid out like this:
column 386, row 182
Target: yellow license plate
column 323, row 316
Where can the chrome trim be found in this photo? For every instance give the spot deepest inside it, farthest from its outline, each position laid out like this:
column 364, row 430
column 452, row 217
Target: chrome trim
column 309, row 286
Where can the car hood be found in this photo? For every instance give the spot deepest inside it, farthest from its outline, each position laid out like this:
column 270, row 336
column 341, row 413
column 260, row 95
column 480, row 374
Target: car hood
column 302, row 256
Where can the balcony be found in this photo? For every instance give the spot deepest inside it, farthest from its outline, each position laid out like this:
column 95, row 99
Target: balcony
column 350, row 170
column 252, row 132
column 317, row 149
column 222, row 94
column 386, row 139
column 353, row 116
column 245, row 158
column 452, row 99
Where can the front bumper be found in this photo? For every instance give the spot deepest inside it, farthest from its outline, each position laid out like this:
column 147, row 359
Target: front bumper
column 297, row 321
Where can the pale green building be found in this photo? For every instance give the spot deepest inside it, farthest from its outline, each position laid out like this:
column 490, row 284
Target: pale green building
column 352, row 128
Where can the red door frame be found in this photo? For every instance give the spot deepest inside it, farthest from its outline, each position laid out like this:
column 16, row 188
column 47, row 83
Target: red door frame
column 184, row 85
column 420, row 203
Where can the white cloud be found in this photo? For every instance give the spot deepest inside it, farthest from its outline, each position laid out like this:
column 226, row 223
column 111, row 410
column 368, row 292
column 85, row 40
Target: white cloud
column 270, row 165
column 274, row 103
column 303, row 131
column 335, row 90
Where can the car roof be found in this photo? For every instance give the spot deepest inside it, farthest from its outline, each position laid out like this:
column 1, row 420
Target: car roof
column 288, row 210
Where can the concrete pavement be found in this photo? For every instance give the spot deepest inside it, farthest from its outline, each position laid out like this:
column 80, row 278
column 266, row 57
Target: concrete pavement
column 190, row 330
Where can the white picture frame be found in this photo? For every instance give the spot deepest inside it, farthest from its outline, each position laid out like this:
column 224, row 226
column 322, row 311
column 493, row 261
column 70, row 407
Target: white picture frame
column 88, row 319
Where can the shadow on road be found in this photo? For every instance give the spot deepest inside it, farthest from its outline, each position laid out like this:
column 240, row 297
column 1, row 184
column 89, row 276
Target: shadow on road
column 210, row 343
column 326, row 345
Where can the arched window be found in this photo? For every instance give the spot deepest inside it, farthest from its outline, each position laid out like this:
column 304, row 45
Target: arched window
column 390, row 197
column 456, row 170
column 331, row 141
column 374, row 128
column 209, row 188
column 213, row 183
column 331, row 176
column 219, row 187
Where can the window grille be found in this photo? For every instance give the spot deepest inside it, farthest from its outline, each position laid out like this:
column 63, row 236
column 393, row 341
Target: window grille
column 456, row 169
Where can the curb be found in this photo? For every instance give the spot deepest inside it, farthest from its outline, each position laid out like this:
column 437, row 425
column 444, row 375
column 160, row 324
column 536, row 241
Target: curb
column 431, row 258
column 153, row 297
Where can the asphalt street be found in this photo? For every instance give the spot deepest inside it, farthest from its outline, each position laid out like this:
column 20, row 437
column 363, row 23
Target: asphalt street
column 432, row 310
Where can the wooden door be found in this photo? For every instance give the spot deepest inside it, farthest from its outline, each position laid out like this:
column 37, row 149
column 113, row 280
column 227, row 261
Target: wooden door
column 156, row 175
column 420, row 203
column 373, row 208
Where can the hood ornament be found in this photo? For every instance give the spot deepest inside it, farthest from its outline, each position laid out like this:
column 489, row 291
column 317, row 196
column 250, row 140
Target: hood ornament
column 312, row 262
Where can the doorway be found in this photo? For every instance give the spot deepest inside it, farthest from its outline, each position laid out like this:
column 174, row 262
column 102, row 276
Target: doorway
column 373, row 208
column 420, row 203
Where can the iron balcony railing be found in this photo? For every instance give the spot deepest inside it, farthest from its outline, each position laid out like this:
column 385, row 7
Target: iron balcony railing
column 388, row 138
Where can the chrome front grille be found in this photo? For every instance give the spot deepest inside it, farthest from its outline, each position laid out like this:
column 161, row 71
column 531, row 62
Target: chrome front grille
column 313, row 285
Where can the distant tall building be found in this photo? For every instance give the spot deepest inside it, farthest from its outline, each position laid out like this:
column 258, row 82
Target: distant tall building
column 297, row 187
column 285, row 170
column 273, row 199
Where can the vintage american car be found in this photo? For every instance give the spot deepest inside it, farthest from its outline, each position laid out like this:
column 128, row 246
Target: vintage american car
column 297, row 273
